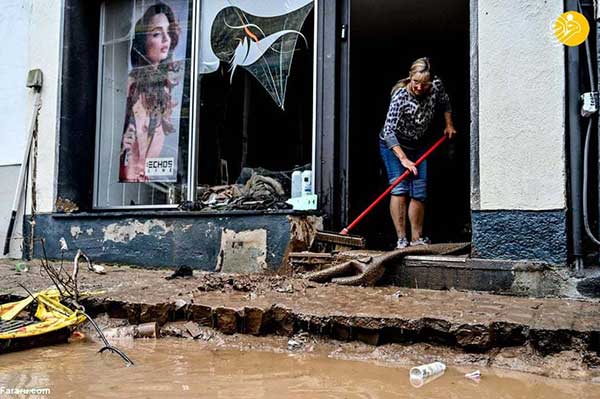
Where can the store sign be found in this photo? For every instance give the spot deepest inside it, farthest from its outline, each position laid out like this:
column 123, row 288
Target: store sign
column 160, row 167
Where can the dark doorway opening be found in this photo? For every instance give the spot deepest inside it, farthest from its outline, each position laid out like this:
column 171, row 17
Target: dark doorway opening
column 384, row 41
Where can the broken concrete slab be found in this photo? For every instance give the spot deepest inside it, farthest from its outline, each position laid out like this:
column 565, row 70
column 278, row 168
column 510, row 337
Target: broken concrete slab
column 193, row 329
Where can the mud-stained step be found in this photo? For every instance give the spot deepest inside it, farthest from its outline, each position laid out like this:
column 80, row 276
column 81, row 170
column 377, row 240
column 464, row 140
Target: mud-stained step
column 469, row 321
column 257, row 304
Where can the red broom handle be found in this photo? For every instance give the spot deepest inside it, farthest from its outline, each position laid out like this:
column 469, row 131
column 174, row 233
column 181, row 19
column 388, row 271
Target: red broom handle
column 403, row 176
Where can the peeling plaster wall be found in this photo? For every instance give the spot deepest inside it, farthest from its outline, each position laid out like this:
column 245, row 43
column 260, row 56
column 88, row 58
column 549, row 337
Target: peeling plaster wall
column 521, row 106
column 127, row 231
column 243, row 251
column 248, row 243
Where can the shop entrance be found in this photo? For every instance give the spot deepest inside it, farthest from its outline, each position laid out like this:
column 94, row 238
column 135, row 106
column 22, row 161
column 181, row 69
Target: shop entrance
column 382, row 43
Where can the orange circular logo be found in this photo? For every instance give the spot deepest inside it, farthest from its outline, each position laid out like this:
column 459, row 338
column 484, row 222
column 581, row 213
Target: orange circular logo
column 571, row 28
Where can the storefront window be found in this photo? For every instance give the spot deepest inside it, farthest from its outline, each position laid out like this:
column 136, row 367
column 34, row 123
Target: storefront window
column 256, row 91
column 143, row 115
column 252, row 112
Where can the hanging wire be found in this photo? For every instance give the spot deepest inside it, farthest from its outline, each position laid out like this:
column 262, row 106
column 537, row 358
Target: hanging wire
column 586, row 149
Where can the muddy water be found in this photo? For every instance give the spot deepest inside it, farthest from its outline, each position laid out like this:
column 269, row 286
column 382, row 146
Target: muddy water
column 171, row 368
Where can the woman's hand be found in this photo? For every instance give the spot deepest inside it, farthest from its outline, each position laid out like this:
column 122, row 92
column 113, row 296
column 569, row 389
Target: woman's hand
column 449, row 131
column 128, row 138
column 410, row 165
column 407, row 163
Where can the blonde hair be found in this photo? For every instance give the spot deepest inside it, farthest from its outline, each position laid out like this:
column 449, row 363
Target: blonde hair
column 420, row 66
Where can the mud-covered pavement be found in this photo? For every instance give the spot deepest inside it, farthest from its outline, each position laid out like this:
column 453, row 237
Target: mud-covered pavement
column 553, row 337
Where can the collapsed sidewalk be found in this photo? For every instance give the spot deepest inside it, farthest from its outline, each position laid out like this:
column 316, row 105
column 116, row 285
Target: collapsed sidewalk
column 469, row 322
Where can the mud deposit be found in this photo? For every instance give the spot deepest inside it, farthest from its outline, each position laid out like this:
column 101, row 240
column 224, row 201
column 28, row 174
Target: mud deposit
column 242, row 368
column 556, row 338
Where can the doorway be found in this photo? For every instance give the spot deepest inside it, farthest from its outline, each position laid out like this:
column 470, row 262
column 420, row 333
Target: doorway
column 382, row 44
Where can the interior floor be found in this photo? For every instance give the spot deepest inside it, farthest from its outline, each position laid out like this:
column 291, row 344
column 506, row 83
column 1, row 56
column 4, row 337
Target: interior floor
column 383, row 44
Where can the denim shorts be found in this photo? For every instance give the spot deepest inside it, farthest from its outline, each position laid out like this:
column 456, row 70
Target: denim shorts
column 412, row 186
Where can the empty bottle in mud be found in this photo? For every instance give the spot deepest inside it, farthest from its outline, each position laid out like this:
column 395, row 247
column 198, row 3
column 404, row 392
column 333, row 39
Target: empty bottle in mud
column 427, row 370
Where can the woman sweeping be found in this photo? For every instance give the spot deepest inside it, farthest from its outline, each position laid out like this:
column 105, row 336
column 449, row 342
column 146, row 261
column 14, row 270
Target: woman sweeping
column 414, row 103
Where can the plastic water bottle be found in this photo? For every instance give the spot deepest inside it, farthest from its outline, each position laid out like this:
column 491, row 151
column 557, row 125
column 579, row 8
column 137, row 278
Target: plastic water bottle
column 306, row 182
column 427, row 370
column 296, row 184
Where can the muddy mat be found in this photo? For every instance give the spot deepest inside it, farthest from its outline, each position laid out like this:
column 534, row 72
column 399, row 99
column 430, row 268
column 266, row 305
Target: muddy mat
column 366, row 271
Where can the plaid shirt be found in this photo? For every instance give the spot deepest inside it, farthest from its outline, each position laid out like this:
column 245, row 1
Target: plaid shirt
column 409, row 117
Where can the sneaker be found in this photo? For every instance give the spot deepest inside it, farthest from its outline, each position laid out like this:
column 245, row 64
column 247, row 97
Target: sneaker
column 420, row 241
column 402, row 243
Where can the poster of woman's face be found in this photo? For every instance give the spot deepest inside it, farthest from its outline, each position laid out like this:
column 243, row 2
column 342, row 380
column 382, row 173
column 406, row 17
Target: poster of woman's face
column 150, row 140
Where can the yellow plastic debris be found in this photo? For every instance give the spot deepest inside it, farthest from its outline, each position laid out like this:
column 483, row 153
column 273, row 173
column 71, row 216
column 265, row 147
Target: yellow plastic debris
column 52, row 315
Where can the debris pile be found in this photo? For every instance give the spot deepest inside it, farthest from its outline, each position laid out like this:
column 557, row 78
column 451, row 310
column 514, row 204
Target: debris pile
column 256, row 283
column 257, row 193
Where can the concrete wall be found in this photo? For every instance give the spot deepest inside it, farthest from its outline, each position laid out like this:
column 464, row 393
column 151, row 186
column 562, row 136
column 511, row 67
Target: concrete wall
column 237, row 242
column 521, row 135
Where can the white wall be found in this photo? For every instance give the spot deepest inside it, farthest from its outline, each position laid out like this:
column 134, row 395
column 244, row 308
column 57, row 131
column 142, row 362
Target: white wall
column 14, row 29
column 32, row 35
column 521, row 106
column 8, row 176
column 15, row 20
column 44, row 53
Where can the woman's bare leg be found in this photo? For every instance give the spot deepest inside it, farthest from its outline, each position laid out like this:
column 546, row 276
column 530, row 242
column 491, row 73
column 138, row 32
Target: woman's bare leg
column 398, row 205
column 416, row 214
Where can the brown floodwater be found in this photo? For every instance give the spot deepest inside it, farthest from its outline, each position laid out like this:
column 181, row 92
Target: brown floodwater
column 174, row 368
